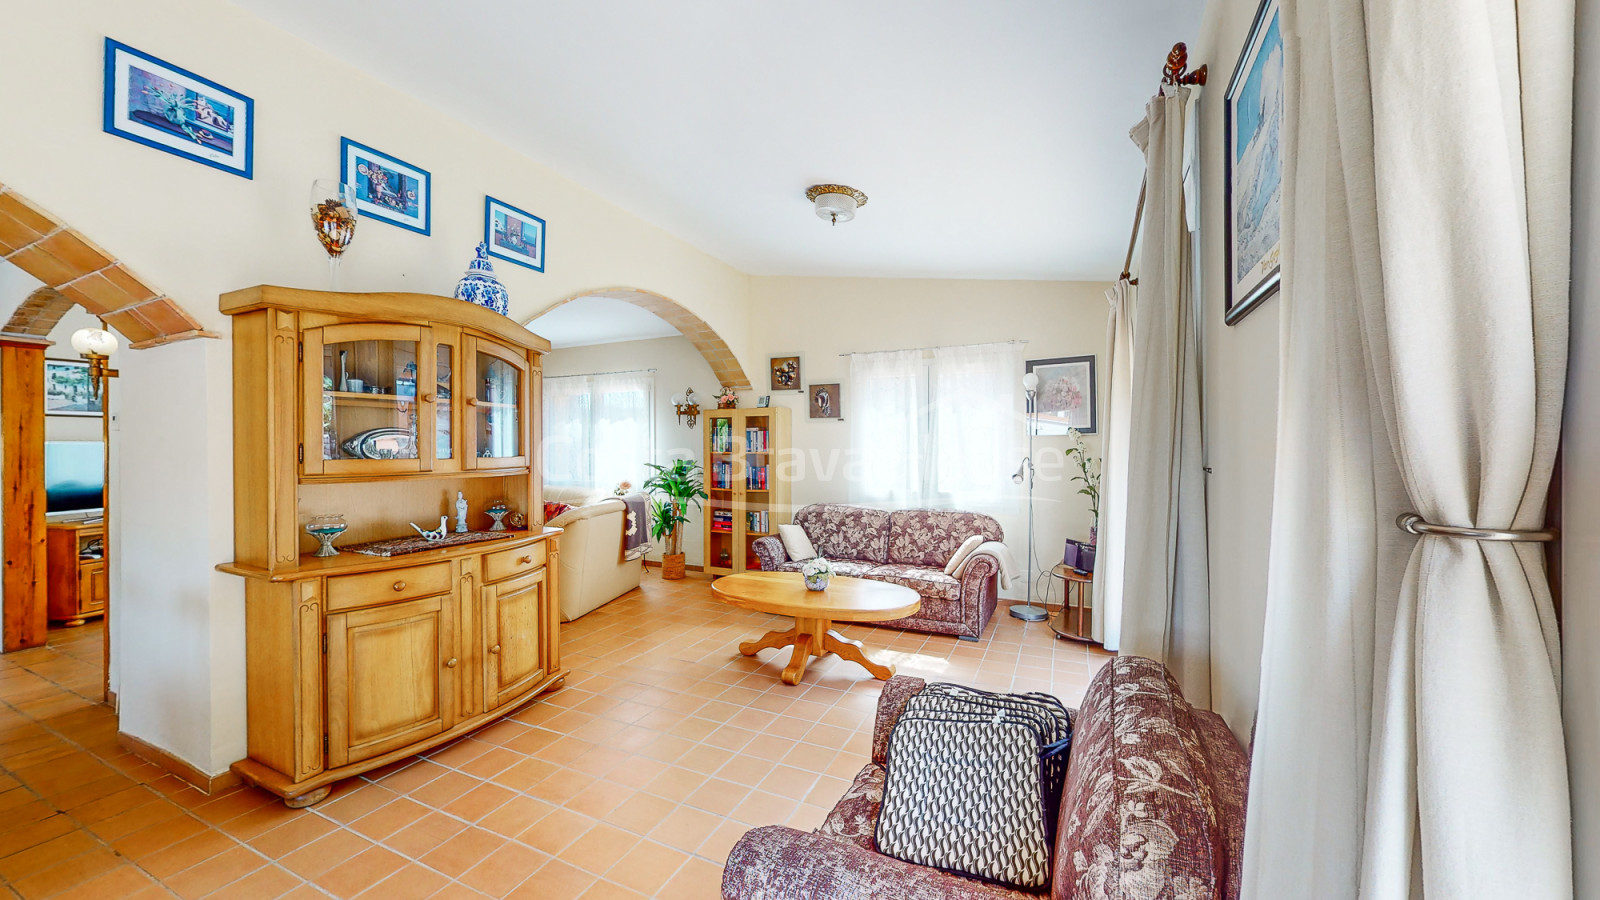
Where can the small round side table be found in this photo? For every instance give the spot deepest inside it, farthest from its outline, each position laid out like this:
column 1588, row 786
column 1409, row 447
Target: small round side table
column 1074, row 622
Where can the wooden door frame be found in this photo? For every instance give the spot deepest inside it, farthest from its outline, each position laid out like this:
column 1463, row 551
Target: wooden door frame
column 24, row 612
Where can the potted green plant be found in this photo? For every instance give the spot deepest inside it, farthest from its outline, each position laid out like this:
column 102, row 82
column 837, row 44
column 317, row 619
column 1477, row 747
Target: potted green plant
column 1089, row 476
column 672, row 488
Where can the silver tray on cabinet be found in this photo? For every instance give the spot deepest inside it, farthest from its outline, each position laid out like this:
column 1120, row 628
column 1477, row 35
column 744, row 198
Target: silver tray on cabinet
column 382, row 443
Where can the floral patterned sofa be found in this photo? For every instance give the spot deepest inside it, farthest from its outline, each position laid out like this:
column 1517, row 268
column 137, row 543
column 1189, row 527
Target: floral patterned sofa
column 908, row 547
column 1153, row 809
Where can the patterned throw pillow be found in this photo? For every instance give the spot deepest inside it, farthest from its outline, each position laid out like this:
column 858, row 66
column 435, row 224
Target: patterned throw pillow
column 974, row 784
column 554, row 508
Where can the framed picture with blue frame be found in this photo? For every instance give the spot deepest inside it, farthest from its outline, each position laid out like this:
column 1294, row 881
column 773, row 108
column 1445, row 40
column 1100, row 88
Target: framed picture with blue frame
column 387, row 189
column 513, row 235
column 152, row 102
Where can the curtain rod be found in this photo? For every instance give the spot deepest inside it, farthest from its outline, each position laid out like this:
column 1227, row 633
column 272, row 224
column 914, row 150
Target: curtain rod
column 941, row 347
column 592, row 374
column 1175, row 72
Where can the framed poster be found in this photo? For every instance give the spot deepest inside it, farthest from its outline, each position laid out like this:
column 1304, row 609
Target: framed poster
column 1253, row 171
column 785, row 373
column 826, row 401
column 68, row 389
column 513, row 235
column 157, row 104
column 1066, row 396
column 387, row 189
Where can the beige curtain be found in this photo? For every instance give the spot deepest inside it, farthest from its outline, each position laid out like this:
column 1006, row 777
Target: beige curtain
column 1409, row 741
column 1165, row 601
column 1117, row 373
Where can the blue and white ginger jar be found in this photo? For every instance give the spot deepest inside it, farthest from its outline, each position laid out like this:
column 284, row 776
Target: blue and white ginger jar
column 480, row 286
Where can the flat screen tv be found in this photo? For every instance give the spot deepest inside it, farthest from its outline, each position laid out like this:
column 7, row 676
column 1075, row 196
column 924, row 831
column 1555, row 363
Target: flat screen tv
column 74, row 476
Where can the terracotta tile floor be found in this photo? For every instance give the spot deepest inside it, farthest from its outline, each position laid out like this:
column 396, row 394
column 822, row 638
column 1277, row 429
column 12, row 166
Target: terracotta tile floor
column 633, row 781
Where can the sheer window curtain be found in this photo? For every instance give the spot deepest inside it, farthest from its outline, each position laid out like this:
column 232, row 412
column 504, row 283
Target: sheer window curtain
column 599, row 429
column 1114, row 466
column 887, row 428
column 937, row 428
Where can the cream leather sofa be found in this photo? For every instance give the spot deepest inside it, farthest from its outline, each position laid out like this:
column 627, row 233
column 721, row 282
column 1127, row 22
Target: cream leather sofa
column 592, row 574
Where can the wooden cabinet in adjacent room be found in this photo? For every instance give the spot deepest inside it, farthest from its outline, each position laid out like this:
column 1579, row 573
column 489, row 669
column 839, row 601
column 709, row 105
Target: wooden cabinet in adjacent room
column 384, row 409
column 75, row 565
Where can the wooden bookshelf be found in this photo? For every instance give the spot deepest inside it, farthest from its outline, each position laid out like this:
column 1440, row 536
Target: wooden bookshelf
column 744, row 452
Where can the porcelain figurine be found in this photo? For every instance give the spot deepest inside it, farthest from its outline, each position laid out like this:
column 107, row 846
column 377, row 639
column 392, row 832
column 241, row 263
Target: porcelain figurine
column 431, row 536
column 461, row 513
column 480, row 286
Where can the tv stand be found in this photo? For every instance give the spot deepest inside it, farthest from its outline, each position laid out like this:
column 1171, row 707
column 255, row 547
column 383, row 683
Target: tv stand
column 76, row 570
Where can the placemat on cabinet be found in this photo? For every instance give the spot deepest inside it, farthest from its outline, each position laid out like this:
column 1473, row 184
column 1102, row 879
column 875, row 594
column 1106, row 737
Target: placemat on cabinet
column 416, row 543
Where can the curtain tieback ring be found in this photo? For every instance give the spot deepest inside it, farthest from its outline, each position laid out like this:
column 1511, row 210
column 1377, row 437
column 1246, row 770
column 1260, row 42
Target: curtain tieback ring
column 1411, row 523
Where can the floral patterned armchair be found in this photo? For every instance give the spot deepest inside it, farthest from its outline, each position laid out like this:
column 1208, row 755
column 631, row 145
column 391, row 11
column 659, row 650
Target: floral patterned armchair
column 1153, row 809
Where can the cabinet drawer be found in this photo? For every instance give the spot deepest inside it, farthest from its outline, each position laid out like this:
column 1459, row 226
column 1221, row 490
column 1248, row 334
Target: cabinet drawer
column 372, row 588
column 506, row 563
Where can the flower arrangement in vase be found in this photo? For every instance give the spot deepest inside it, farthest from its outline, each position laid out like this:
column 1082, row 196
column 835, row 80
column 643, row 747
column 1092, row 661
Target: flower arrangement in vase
column 817, row 572
column 1088, row 476
column 727, row 398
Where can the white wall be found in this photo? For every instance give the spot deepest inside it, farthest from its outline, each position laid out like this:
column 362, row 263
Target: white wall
column 678, row 365
column 195, row 233
column 1239, row 378
column 824, row 317
column 1580, row 472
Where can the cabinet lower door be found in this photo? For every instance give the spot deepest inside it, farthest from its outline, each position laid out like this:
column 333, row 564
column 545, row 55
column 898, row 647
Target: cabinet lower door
column 513, row 613
column 391, row 677
column 92, row 588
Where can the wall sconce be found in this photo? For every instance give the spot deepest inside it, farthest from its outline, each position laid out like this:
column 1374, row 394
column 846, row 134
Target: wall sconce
column 686, row 408
column 96, row 345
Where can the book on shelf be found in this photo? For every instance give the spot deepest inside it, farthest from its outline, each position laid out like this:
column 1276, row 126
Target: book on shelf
column 755, row 440
column 756, row 478
column 722, row 520
column 721, row 435
column 757, row 520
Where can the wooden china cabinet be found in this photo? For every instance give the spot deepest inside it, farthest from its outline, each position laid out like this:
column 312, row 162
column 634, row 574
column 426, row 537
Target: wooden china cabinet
column 383, row 408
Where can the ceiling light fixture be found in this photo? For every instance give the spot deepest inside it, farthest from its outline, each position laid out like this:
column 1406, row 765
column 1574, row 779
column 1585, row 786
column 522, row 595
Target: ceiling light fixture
column 835, row 203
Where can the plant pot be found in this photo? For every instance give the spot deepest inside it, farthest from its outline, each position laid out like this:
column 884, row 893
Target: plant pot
column 672, row 566
column 818, row 582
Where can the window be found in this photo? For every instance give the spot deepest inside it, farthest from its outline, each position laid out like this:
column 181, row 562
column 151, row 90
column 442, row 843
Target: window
column 598, row 429
column 936, row 428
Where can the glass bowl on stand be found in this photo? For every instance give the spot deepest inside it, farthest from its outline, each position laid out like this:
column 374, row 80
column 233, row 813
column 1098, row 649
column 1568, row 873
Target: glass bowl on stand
column 325, row 529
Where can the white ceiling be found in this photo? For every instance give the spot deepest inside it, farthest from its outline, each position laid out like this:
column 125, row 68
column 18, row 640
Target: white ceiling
column 991, row 136
column 599, row 320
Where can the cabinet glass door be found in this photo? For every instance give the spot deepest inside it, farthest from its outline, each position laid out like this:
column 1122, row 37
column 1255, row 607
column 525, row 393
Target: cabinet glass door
column 496, row 422
column 363, row 412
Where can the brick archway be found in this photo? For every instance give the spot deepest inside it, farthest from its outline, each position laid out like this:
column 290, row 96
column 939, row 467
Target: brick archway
column 75, row 271
column 701, row 335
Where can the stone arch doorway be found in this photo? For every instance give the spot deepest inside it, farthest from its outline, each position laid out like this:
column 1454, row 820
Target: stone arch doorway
column 75, row 271
column 701, row 335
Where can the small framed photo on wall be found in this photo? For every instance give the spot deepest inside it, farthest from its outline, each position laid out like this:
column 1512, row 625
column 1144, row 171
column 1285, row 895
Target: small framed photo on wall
column 826, row 401
column 387, row 189
column 1253, row 167
column 513, row 235
column 68, row 389
column 785, row 373
column 152, row 102
column 1066, row 396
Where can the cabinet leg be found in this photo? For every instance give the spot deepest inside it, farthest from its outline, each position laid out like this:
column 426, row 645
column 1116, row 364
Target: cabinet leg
column 307, row 799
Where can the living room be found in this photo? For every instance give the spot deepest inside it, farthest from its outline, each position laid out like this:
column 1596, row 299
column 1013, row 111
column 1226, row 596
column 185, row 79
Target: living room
column 888, row 235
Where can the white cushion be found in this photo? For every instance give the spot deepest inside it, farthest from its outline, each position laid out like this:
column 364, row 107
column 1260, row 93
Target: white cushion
column 796, row 543
column 962, row 552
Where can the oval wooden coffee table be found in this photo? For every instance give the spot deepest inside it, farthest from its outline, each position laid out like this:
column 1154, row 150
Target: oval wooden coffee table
column 845, row 600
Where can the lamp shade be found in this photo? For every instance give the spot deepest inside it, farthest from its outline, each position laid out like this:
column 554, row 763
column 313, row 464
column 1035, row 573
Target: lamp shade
column 94, row 341
column 1030, row 382
column 836, row 207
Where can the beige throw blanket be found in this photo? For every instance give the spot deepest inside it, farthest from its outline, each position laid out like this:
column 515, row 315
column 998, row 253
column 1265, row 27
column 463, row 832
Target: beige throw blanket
column 1002, row 557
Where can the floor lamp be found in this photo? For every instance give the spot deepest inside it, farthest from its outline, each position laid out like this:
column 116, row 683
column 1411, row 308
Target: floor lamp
column 1029, row 613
